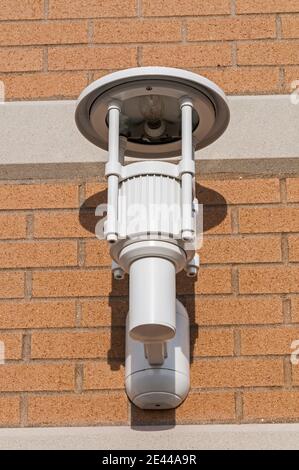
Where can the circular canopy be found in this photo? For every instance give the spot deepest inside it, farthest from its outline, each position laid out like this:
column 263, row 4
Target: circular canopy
column 150, row 110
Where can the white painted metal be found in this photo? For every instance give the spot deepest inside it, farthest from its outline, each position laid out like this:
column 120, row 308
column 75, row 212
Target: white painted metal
column 160, row 387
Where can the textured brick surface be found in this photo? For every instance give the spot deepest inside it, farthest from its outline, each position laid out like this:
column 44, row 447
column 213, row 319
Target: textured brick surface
column 185, row 7
column 104, row 312
column 35, row 377
column 255, row 341
column 37, row 314
column 290, row 26
column 250, row 27
column 280, row 405
column 9, row 411
column 293, row 189
column 240, row 250
column 12, row 226
column 210, row 281
column 91, row 8
column 187, row 56
column 237, row 311
column 278, row 279
column 61, row 225
column 120, row 31
column 11, row 284
column 34, row 196
column 97, row 253
column 268, row 53
column 209, row 342
column 295, row 309
column 30, row 9
column 293, row 242
column 83, row 409
column 237, row 373
column 271, row 6
column 103, row 376
column 34, row 254
column 12, row 343
column 20, row 60
column 276, row 219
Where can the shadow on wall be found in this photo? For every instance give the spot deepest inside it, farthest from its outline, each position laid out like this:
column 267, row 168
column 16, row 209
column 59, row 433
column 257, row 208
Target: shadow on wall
column 214, row 212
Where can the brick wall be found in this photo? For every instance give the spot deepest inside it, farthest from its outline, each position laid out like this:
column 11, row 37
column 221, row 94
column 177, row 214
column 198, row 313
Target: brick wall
column 54, row 48
column 62, row 316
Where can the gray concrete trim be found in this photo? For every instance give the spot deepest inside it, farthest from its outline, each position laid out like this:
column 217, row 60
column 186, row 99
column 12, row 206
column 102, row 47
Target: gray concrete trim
column 226, row 436
column 44, row 133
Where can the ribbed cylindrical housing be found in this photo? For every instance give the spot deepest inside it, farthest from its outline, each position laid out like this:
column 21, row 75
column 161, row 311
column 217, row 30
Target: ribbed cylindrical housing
column 152, row 300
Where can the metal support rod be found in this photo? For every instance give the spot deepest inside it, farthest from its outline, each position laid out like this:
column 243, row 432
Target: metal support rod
column 187, row 178
column 113, row 158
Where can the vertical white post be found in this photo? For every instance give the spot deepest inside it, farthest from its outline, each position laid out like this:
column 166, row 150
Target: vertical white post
column 113, row 162
column 187, row 177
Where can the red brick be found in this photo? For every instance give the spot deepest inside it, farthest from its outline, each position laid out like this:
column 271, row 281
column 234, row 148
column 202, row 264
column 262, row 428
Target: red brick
column 263, row 341
column 269, row 219
column 91, row 8
column 210, row 281
column 103, row 376
column 84, row 57
column 89, row 408
column 34, row 254
column 38, row 196
column 213, row 342
column 83, row 283
column 62, row 224
column 37, row 314
column 187, row 55
column 29, row 377
column 97, row 253
column 278, row 279
column 268, row 53
column 88, row 344
column 215, row 29
column 271, row 405
column 104, row 312
column 240, row 250
column 237, row 373
column 236, row 311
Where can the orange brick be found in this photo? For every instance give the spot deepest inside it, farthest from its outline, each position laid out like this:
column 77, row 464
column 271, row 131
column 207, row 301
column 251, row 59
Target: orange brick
column 84, row 58
column 293, row 242
column 90, row 408
column 210, row 281
column 187, row 55
column 62, row 224
column 213, row 342
column 271, row 6
column 9, row 411
column 214, row 29
column 295, row 309
column 278, row 279
column 33, row 254
column 36, row 32
column 30, row 10
column 206, row 407
column 263, row 341
column 241, row 191
column 295, row 375
column 91, row 8
column 216, row 221
column 290, row 26
column 37, row 314
column 96, row 193
column 12, row 226
column 38, row 196
column 97, row 253
column 244, row 79
column 23, row 59
column 104, row 312
column 126, row 31
column 240, row 249
column 80, row 283
column 268, row 53
column 236, row 311
column 271, row 405
column 265, row 219
column 198, row 407
column 185, row 7
column 78, row 345
column 12, row 345
column 11, row 285
column 291, row 75
column 237, row 373
column 293, row 189
column 102, row 376
column 29, row 377
column 44, row 85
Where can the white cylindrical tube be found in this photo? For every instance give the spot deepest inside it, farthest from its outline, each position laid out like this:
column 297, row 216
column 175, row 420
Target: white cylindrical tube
column 113, row 157
column 152, row 300
column 187, row 178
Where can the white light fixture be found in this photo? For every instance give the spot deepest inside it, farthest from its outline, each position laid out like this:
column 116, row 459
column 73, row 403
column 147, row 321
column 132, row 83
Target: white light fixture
column 144, row 116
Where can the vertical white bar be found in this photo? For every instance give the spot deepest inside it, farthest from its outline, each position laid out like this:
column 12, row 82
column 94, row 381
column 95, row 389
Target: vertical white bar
column 113, row 157
column 187, row 178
